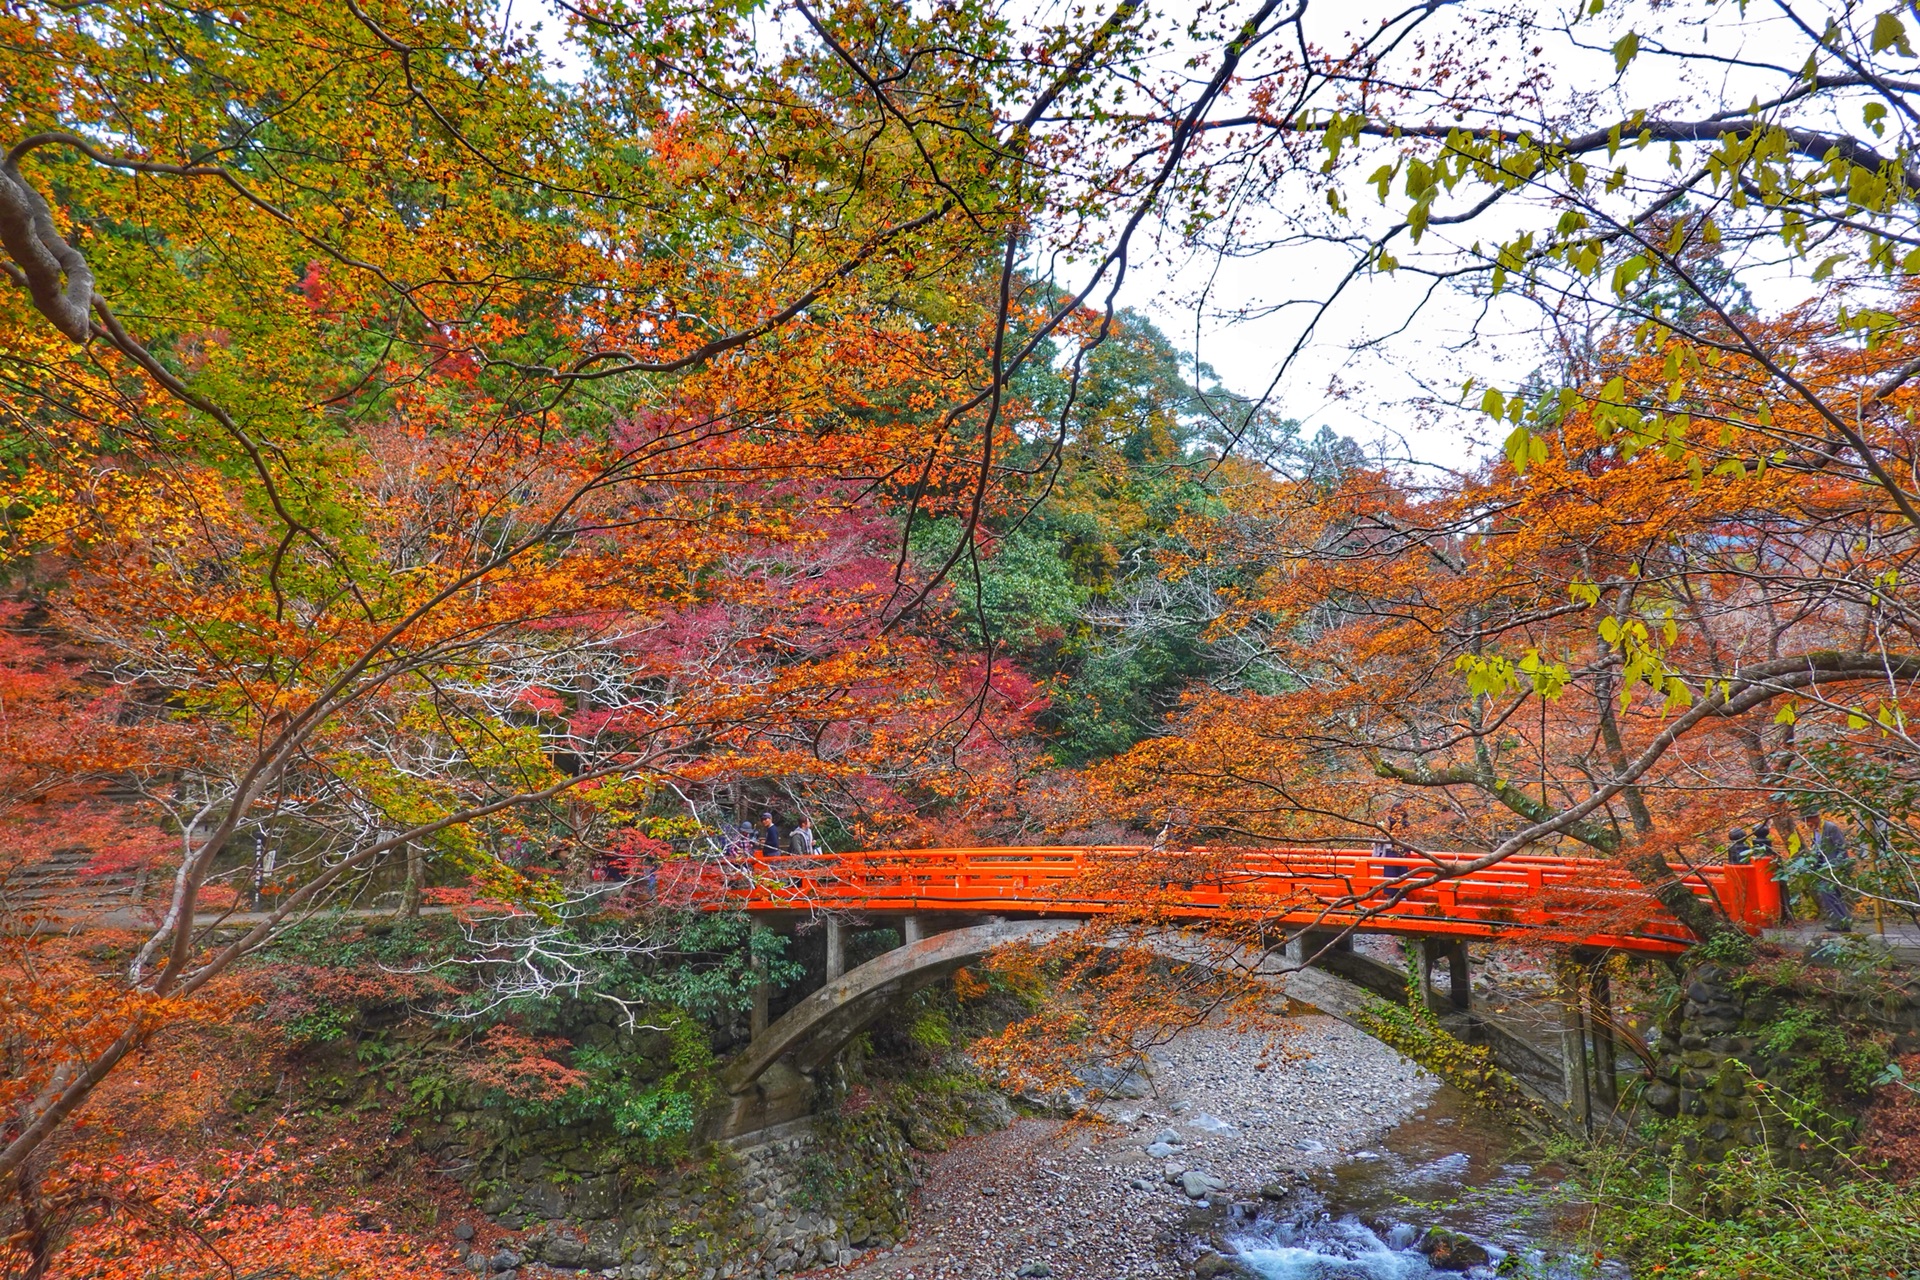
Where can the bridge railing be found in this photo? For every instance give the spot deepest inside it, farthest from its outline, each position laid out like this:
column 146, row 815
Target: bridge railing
column 1565, row 899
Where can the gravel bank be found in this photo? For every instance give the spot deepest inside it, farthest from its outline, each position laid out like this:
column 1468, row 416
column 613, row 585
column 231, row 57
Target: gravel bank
column 1090, row 1202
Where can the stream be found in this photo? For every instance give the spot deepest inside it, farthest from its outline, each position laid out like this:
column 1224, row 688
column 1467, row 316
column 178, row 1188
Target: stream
column 1451, row 1166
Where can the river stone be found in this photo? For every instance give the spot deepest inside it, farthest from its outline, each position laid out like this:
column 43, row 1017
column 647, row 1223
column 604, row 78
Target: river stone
column 1161, row 1150
column 1450, row 1251
column 1197, row 1184
column 1218, row 1266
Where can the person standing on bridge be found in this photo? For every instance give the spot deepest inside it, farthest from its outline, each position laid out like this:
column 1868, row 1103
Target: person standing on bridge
column 1391, row 848
column 1739, row 852
column 769, row 836
column 800, row 840
column 1833, row 862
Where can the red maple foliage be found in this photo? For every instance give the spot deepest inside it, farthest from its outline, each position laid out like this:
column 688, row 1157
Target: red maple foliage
column 1891, row 1125
column 227, row 1212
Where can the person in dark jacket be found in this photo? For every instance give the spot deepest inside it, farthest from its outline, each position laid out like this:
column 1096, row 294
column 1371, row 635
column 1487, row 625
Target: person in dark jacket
column 1833, row 863
column 769, row 836
column 1739, row 849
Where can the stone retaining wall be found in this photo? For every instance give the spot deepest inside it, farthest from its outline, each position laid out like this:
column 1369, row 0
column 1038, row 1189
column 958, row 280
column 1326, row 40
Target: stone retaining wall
column 807, row 1193
column 1730, row 1079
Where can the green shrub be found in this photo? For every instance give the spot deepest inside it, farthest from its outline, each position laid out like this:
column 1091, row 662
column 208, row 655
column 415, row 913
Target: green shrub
column 653, row 1104
column 1748, row 1219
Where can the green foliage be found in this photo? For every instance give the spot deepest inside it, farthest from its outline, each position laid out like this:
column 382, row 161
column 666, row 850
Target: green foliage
column 1823, row 1056
column 649, row 1088
column 716, row 960
column 1727, row 947
column 1415, row 1030
column 705, row 963
column 323, row 1025
column 1826, row 1052
column 430, row 1092
column 680, row 972
column 932, row 1030
column 868, row 944
column 1747, row 1219
column 660, row 1109
column 328, row 939
column 1870, row 788
column 1026, row 596
column 650, row 1102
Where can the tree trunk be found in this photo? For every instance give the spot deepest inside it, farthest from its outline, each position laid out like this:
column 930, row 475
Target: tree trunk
column 416, row 876
column 35, row 1237
column 1664, row 883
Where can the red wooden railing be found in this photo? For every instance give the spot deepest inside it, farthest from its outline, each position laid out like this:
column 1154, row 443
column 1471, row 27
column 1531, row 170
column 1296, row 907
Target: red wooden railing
column 1582, row 901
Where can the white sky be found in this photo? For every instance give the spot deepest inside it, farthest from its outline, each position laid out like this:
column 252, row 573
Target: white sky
column 1369, row 373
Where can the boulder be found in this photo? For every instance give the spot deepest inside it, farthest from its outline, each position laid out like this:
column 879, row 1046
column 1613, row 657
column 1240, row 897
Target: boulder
column 986, row 1110
column 1161, row 1150
column 547, row 1199
column 1451, row 1251
column 1218, row 1266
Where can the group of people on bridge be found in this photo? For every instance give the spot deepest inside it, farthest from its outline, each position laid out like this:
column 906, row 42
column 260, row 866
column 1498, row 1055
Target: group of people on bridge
column 1830, row 853
column 741, row 839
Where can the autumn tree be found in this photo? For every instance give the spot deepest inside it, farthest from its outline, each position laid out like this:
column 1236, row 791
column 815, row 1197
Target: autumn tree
column 472, row 460
column 1597, row 652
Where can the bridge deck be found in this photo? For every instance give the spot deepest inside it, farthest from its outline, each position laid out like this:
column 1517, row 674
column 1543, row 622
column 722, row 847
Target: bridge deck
column 1581, row 901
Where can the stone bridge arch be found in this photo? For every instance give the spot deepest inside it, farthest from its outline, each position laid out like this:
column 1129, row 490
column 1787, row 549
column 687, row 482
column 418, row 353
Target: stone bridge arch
column 769, row 1082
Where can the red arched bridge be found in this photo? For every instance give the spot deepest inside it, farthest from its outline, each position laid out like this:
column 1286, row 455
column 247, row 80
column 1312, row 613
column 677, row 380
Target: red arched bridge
column 1585, row 902
column 956, row 905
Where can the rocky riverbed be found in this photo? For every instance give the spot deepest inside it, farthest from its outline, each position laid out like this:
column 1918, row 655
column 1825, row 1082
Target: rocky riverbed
column 1221, row 1123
